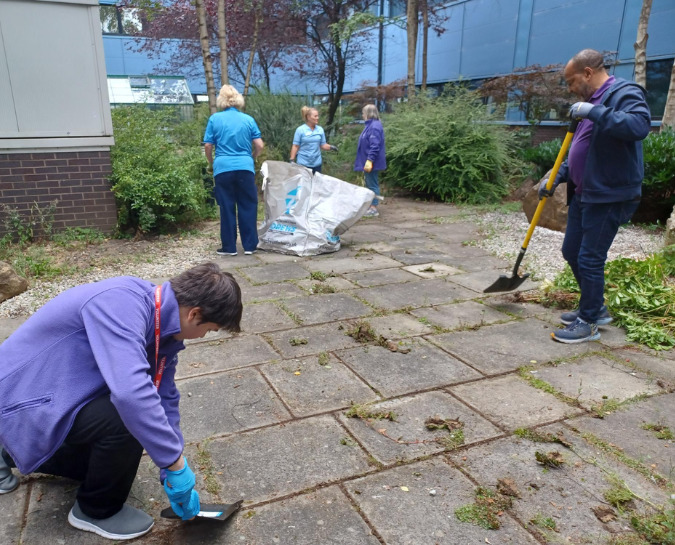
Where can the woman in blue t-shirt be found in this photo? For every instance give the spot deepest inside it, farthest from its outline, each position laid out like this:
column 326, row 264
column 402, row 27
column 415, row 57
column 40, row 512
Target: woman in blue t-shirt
column 236, row 138
column 309, row 140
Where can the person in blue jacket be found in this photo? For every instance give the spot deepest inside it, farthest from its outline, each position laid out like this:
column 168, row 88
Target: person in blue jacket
column 603, row 172
column 370, row 155
column 87, row 384
column 308, row 141
column 237, row 141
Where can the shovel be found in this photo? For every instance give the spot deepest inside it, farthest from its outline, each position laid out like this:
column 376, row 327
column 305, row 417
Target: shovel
column 508, row 283
column 215, row 511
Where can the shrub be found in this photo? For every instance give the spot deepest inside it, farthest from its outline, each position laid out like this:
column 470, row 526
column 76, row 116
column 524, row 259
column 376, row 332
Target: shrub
column 542, row 156
column 448, row 148
column 157, row 182
column 658, row 188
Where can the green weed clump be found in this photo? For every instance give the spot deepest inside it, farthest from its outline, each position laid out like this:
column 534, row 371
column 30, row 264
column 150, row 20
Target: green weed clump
column 658, row 528
column 486, row 509
column 448, row 148
column 640, row 295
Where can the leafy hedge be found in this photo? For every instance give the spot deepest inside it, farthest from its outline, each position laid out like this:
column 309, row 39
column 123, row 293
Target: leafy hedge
column 448, row 147
column 157, row 182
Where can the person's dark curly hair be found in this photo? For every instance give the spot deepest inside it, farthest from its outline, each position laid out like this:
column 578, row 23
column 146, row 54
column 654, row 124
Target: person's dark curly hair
column 215, row 292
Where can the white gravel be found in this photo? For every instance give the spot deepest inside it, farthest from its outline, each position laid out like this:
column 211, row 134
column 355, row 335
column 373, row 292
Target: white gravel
column 505, row 234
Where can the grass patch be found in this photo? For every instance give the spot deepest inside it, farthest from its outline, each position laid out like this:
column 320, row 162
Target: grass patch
column 552, row 459
column 618, row 495
column 323, row 288
column 545, row 523
column 324, row 358
column 297, row 341
column 485, row 510
column 207, row 470
column 661, row 432
column 538, row 437
column 365, row 412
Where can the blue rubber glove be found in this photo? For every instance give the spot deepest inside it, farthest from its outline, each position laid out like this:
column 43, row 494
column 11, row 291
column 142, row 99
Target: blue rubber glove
column 179, row 487
column 580, row 110
column 543, row 192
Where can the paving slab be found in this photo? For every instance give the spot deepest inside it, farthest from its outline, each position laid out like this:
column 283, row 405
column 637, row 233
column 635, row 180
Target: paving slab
column 313, row 385
column 566, row 494
column 321, row 338
column 467, row 314
column 274, row 272
column 500, row 348
column 398, row 326
column 594, row 379
column 422, row 293
column 509, row 304
column 624, row 429
column 11, row 514
column 480, row 280
column 380, row 277
column 512, row 403
column 268, row 256
column 261, row 317
column 416, row 254
column 478, row 263
column 274, row 462
column 9, row 326
column 323, row 517
column 227, row 403
column 407, row 437
column 431, row 270
column 651, row 361
column 334, row 283
column 613, row 336
column 415, row 516
column 458, row 233
column 326, row 307
column 395, row 373
column 223, row 354
column 270, row 292
column 366, row 261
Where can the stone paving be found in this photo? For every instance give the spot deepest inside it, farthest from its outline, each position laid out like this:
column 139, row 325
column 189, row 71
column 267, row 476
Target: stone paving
column 325, row 435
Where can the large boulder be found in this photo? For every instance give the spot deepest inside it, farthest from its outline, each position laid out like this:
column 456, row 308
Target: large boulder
column 554, row 214
column 669, row 237
column 11, row 284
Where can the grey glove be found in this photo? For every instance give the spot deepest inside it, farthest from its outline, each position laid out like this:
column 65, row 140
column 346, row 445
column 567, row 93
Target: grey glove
column 291, row 161
column 543, row 192
column 580, row 110
column 333, row 148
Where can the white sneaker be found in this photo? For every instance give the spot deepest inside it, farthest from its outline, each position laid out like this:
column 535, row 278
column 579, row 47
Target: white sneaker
column 372, row 212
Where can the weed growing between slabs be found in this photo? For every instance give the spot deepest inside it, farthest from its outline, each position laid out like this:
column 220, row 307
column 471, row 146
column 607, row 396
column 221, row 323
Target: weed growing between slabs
column 486, row 509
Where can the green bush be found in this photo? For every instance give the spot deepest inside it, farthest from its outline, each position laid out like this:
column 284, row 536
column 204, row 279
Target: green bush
column 448, row 148
column 659, row 158
column 542, row 157
column 156, row 181
column 341, row 165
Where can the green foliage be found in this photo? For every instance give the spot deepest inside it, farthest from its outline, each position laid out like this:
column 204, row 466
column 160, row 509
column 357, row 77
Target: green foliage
column 34, row 224
column 85, row 235
column 157, row 182
column 341, row 164
column 542, row 156
column 446, row 147
column 640, row 295
column 485, row 511
column 658, row 528
column 659, row 158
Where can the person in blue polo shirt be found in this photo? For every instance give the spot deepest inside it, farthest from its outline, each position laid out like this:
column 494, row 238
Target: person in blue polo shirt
column 309, row 140
column 236, row 138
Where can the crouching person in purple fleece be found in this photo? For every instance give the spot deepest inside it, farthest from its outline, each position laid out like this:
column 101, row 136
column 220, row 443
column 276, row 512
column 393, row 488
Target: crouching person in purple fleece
column 87, row 384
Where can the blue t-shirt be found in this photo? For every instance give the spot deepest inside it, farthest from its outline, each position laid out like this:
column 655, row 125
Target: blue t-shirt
column 309, row 153
column 232, row 133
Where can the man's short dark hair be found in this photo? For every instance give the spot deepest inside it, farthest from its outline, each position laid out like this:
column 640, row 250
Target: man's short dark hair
column 588, row 58
column 215, row 292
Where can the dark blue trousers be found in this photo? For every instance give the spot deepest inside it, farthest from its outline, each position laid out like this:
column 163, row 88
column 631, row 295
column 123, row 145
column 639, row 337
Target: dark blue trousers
column 237, row 197
column 591, row 229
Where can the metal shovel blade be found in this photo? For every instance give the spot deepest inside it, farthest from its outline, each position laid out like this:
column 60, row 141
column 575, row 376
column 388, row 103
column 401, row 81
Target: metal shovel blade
column 506, row 283
column 215, row 511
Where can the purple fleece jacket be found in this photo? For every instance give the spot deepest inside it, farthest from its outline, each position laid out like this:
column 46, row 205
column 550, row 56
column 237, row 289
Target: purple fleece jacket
column 92, row 340
column 371, row 146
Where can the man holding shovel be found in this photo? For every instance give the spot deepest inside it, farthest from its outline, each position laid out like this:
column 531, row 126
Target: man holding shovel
column 87, row 384
column 603, row 172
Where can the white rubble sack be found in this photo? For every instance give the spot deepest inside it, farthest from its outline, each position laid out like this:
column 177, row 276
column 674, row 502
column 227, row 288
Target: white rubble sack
column 305, row 214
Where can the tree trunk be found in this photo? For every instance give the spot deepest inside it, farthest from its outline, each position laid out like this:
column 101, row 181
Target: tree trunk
column 411, row 28
column 206, row 55
column 257, row 13
column 640, row 44
column 669, row 112
column 222, row 41
column 424, row 6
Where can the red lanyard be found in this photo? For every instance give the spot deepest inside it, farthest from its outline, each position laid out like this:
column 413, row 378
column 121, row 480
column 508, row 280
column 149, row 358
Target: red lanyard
column 159, row 369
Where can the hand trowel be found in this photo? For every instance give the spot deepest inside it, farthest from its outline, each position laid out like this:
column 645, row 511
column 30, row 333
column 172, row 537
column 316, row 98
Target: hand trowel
column 215, row 511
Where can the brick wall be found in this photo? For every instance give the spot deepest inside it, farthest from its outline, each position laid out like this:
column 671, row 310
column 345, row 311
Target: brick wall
column 77, row 180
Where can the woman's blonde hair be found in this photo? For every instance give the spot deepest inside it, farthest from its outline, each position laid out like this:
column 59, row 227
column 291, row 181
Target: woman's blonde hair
column 370, row 112
column 229, row 97
column 306, row 110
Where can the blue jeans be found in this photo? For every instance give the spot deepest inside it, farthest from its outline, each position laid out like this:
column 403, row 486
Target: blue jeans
column 237, row 197
column 372, row 184
column 591, row 229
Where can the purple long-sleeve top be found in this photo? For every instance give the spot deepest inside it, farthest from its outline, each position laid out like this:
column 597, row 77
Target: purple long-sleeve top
column 371, row 146
column 92, row 340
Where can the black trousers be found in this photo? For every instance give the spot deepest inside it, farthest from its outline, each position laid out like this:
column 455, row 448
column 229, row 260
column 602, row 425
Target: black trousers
column 100, row 452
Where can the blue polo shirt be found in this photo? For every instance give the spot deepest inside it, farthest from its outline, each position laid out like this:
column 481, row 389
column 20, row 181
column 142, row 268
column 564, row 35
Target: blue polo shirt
column 309, row 154
column 232, row 133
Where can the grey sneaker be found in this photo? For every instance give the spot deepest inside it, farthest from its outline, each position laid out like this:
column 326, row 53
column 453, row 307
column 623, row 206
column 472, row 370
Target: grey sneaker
column 577, row 332
column 8, row 481
column 127, row 524
column 566, row 318
column 371, row 212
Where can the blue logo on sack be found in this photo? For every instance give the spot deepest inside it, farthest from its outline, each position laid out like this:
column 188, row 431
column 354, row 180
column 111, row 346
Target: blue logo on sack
column 291, row 199
column 332, row 238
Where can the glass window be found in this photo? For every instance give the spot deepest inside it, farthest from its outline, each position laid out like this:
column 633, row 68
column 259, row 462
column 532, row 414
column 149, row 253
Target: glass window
column 658, row 81
column 110, row 21
column 397, row 7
